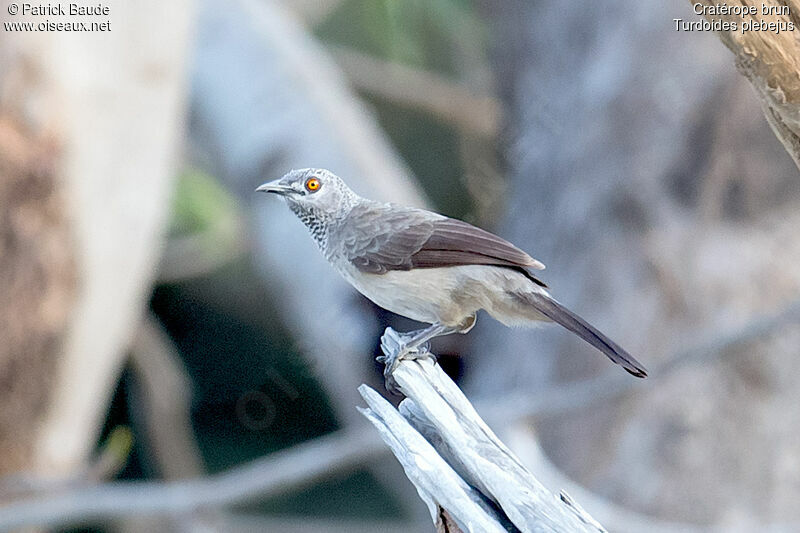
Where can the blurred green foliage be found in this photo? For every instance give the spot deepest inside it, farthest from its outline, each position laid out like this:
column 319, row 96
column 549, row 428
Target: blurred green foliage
column 437, row 35
column 199, row 203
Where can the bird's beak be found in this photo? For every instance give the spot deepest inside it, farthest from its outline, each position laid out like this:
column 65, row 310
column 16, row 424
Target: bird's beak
column 275, row 187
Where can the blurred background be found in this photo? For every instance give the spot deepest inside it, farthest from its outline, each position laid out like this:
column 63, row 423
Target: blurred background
column 160, row 321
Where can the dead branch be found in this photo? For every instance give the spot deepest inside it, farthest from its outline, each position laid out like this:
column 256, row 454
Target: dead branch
column 439, row 486
column 456, row 461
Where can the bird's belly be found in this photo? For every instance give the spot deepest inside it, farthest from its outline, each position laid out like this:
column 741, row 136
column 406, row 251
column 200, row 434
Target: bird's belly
column 448, row 295
column 425, row 295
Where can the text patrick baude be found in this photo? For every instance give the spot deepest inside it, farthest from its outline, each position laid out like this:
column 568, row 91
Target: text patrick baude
column 53, row 10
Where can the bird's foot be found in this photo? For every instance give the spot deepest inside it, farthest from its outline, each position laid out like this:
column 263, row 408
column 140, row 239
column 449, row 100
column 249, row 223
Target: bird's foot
column 396, row 347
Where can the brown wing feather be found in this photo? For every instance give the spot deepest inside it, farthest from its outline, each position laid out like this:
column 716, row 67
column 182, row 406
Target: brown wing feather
column 454, row 242
column 454, row 235
column 394, row 238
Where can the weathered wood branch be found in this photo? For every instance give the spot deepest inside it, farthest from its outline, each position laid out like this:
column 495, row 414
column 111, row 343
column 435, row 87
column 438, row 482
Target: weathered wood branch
column 437, row 483
column 770, row 60
column 457, row 463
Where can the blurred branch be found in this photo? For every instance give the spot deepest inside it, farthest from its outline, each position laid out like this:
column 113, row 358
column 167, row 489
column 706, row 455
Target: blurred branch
column 273, row 475
column 165, row 397
column 771, row 61
column 166, row 394
column 306, row 524
column 421, row 90
column 574, row 396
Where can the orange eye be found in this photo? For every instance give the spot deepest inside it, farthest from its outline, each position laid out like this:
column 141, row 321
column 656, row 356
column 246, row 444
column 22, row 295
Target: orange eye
column 313, row 184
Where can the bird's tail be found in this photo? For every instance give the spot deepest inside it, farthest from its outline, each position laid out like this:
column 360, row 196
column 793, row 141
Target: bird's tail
column 566, row 318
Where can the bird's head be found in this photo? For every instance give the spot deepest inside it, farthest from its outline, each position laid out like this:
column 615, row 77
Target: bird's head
column 317, row 196
column 313, row 192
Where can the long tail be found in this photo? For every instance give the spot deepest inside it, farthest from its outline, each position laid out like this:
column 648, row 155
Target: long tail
column 566, row 318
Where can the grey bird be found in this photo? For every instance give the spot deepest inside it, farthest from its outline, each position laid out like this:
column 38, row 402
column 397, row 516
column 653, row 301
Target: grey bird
column 428, row 267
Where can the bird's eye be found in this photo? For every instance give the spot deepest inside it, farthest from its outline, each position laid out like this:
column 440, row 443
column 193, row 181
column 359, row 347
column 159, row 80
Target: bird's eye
column 313, row 184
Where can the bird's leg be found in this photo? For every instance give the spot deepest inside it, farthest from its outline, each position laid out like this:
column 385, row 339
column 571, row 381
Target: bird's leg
column 413, row 345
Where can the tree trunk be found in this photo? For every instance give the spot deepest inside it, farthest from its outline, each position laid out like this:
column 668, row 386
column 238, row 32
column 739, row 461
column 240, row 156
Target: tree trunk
column 113, row 103
column 37, row 285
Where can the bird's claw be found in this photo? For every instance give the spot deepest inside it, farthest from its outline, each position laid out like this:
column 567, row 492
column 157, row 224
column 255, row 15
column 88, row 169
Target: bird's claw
column 395, row 347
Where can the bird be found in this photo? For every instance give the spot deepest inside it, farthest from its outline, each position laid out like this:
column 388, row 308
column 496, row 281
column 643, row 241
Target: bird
column 428, row 267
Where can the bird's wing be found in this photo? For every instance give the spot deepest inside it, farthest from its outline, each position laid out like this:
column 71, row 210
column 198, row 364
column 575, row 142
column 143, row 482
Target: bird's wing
column 456, row 242
column 380, row 238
